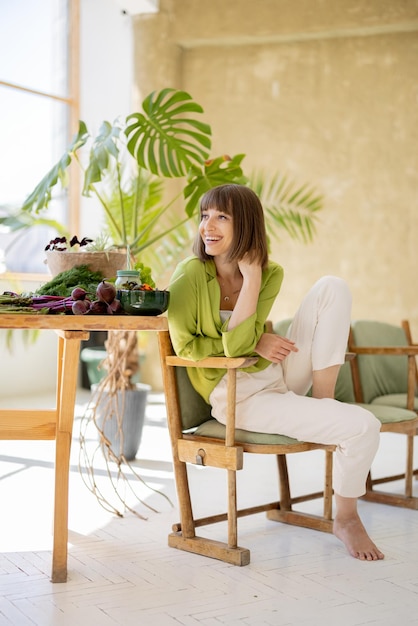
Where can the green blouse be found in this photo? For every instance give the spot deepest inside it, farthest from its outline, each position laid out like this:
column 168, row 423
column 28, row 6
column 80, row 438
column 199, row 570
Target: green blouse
column 195, row 325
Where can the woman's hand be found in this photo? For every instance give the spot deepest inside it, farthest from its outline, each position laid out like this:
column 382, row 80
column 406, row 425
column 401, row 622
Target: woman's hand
column 275, row 348
column 246, row 304
column 249, row 269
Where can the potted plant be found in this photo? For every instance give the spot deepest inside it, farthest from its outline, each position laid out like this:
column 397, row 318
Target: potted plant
column 127, row 165
column 98, row 255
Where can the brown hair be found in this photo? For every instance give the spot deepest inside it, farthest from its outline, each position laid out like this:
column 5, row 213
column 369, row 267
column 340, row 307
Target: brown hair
column 248, row 222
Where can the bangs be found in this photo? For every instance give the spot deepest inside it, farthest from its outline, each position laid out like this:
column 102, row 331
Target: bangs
column 244, row 206
column 217, row 198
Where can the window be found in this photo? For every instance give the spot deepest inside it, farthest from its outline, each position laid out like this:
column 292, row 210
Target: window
column 38, row 106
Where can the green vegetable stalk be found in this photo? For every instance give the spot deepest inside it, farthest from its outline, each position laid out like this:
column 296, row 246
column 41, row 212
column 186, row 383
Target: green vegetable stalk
column 63, row 284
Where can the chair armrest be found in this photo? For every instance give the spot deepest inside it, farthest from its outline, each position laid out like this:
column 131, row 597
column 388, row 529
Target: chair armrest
column 388, row 350
column 222, row 362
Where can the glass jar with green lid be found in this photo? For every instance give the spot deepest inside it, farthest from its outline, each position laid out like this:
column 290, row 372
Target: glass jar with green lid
column 127, row 279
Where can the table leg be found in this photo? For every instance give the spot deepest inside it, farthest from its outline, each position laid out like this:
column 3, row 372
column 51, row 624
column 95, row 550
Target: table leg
column 68, row 360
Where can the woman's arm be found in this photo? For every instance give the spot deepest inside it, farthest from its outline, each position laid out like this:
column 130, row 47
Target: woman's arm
column 193, row 314
column 193, row 330
column 247, row 301
column 243, row 338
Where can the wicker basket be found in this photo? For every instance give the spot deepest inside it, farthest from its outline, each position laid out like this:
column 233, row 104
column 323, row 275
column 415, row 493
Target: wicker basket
column 106, row 262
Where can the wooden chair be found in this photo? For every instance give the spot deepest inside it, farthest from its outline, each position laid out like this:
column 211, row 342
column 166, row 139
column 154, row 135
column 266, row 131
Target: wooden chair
column 197, row 438
column 384, row 376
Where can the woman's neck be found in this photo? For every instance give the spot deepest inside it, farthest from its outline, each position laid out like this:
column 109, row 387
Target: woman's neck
column 227, row 271
column 230, row 281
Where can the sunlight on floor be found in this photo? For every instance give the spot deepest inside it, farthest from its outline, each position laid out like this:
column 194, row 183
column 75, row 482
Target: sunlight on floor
column 32, row 499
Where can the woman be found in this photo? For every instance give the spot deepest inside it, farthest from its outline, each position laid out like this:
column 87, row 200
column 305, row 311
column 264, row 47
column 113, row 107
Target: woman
column 220, row 300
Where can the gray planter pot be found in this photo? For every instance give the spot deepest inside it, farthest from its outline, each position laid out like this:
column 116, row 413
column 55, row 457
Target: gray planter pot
column 121, row 420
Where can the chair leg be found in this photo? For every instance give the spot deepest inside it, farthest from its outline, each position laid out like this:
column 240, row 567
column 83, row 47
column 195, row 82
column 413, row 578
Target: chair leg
column 183, row 536
column 183, row 494
column 407, row 500
column 285, row 497
column 285, row 513
column 232, row 509
column 328, row 485
column 409, row 470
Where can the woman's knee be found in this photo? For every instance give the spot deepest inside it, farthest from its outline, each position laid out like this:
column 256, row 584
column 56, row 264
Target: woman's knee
column 335, row 286
column 366, row 423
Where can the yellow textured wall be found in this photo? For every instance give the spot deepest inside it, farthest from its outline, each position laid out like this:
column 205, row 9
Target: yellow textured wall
column 327, row 92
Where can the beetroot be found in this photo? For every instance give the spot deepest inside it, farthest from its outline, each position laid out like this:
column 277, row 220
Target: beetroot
column 80, row 307
column 115, row 307
column 98, row 307
column 78, row 293
column 106, row 292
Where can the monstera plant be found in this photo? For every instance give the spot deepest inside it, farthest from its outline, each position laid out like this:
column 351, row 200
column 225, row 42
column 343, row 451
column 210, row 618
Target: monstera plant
column 125, row 167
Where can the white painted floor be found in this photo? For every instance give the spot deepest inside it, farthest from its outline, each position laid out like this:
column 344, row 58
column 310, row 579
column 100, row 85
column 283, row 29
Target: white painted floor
column 121, row 571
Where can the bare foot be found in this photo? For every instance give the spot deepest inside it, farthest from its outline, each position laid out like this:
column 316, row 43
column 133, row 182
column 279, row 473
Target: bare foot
column 355, row 538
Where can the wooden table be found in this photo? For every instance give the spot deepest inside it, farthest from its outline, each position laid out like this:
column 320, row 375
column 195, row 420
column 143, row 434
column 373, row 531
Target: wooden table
column 57, row 423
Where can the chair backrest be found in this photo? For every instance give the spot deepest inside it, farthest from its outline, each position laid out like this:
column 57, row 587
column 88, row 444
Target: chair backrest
column 380, row 375
column 184, row 404
column 193, row 408
column 344, row 390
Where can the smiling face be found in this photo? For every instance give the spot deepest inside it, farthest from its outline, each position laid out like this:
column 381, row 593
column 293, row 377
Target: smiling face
column 232, row 225
column 216, row 231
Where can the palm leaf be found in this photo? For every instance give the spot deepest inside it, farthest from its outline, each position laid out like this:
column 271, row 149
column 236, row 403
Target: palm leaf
column 288, row 207
column 29, row 337
column 104, row 147
column 133, row 208
column 164, row 255
column 40, row 197
column 21, row 221
column 165, row 140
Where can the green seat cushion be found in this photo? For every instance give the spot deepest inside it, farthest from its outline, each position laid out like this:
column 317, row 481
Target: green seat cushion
column 212, row 428
column 389, row 414
column 394, row 399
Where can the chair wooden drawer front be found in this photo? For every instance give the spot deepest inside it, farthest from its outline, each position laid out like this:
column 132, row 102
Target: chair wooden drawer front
column 212, row 454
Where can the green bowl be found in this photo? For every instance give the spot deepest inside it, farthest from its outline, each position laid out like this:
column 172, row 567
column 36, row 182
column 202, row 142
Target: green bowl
column 138, row 302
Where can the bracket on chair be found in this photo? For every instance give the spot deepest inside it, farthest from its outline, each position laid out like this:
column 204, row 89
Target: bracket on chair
column 200, row 457
column 212, row 454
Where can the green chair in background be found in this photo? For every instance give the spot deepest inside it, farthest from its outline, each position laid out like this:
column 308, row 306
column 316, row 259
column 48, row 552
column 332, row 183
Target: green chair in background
column 384, row 375
column 393, row 418
column 384, row 371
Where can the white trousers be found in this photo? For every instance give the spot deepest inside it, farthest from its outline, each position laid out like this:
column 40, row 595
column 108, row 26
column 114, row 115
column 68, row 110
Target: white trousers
column 274, row 401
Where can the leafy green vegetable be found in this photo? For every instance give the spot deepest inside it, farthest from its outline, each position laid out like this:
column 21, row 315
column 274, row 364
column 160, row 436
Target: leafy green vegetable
column 145, row 274
column 79, row 276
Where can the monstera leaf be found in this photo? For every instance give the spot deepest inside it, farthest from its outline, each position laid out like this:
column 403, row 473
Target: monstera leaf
column 213, row 172
column 165, row 139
